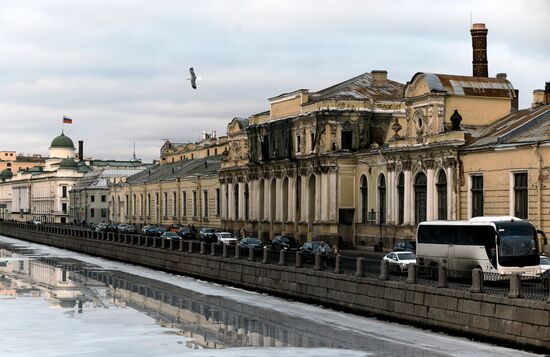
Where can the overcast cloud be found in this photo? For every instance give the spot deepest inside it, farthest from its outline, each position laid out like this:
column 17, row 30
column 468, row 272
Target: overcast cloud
column 119, row 67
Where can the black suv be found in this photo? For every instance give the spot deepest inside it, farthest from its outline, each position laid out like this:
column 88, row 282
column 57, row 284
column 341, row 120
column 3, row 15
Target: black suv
column 284, row 242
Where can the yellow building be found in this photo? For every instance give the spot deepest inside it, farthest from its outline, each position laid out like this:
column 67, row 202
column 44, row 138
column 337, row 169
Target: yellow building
column 209, row 145
column 366, row 160
column 185, row 192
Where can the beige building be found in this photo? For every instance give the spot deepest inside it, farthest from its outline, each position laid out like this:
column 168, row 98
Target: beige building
column 368, row 159
column 185, row 192
column 42, row 192
column 209, row 145
column 15, row 162
column 293, row 176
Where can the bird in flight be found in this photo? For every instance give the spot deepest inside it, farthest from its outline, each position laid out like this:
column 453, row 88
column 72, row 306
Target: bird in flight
column 193, row 78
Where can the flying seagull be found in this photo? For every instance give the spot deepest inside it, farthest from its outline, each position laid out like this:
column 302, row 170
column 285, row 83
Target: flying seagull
column 193, row 78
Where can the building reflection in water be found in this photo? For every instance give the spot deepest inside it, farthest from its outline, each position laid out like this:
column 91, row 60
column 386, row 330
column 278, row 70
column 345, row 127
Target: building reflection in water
column 208, row 321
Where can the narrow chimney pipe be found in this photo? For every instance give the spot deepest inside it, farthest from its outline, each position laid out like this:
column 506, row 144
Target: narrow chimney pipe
column 81, row 150
column 479, row 47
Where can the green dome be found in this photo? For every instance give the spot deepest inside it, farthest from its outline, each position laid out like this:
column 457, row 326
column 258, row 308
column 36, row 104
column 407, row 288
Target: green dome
column 6, row 175
column 62, row 141
column 68, row 163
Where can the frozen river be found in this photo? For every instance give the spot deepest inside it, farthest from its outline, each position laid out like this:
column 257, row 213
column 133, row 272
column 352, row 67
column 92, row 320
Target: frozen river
column 55, row 302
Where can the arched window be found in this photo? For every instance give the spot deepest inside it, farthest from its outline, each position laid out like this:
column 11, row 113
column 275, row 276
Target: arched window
column 382, row 199
column 364, row 199
column 401, row 198
column 420, row 192
column 246, row 202
column 236, row 193
column 441, row 195
column 285, row 199
column 298, row 206
column 311, row 199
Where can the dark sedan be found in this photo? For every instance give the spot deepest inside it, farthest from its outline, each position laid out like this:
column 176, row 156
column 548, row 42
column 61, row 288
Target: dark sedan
column 253, row 243
column 284, row 242
column 310, row 249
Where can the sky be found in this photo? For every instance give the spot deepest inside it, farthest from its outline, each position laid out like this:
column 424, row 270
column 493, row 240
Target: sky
column 119, row 68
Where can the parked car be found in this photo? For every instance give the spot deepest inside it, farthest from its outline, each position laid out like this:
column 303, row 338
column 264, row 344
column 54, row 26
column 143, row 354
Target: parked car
column 36, row 222
column 126, row 228
column 170, row 236
column 186, row 233
column 544, row 264
column 149, row 230
column 399, row 261
column 208, row 235
column 404, row 246
column 101, row 227
column 254, row 243
column 173, row 227
column 226, row 238
column 310, row 249
column 284, row 242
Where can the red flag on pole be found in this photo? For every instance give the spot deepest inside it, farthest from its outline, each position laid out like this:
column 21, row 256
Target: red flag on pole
column 67, row 120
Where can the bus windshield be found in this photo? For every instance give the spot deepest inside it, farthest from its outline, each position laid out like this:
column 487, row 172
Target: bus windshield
column 517, row 244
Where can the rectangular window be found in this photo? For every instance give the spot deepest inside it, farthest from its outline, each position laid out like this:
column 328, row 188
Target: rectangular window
column 521, row 198
column 157, row 205
column 64, row 208
column 165, row 204
column 149, row 205
column 194, row 203
column 347, row 139
column 127, row 205
column 104, row 213
column 298, row 144
column 184, row 203
column 64, row 191
column 92, row 212
column 218, row 208
column 477, row 196
column 205, row 204
column 174, row 204
column 312, row 143
column 103, row 198
column 92, row 198
column 133, row 205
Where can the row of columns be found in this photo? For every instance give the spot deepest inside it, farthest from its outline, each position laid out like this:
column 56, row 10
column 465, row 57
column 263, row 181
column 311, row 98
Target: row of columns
column 277, row 202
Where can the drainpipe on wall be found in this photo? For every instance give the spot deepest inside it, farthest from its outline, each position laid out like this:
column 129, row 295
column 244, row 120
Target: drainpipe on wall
column 539, row 186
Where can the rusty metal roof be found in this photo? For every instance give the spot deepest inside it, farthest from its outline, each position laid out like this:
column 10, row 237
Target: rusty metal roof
column 360, row 88
column 470, row 86
column 524, row 126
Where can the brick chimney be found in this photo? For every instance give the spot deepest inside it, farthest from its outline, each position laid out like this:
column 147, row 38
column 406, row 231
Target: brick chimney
column 479, row 46
column 379, row 78
column 81, row 150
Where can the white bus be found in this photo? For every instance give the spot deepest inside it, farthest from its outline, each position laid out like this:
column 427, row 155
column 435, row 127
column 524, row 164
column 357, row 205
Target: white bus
column 502, row 245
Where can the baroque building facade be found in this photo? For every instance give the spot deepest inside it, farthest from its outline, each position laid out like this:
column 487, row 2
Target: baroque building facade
column 364, row 161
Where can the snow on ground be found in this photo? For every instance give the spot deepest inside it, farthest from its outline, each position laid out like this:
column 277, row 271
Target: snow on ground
column 425, row 342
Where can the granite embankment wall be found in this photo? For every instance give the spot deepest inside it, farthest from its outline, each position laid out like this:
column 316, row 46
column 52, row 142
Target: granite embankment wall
column 520, row 322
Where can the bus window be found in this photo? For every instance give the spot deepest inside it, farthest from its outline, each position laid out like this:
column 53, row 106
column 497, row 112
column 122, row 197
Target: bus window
column 517, row 244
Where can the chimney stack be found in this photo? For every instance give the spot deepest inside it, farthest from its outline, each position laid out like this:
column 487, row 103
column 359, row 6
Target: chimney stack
column 547, row 92
column 479, row 46
column 81, row 150
column 539, row 98
column 379, row 78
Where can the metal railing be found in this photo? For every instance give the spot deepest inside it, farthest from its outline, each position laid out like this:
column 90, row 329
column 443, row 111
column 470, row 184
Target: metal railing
column 514, row 286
